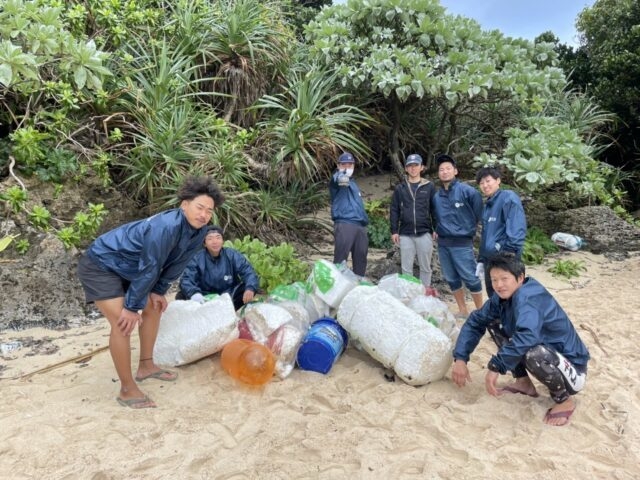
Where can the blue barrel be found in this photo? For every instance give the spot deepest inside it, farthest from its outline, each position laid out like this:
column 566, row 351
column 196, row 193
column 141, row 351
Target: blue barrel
column 324, row 343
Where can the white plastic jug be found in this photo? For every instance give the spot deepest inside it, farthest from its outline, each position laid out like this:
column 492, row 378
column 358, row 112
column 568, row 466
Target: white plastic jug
column 568, row 241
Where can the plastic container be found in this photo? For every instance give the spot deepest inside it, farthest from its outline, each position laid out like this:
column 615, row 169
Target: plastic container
column 248, row 361
column 568, row 241
column 322, row 346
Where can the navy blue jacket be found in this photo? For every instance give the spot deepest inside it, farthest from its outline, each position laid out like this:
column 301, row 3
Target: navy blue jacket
column 149, row 253
column 504, row 225
column 529, row 318
column 346, row 203
column 208, row 274
column 410, row 214
column 457, row 212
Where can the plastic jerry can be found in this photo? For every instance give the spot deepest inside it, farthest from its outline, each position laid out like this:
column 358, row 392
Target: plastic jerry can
column 568, row 241
column 248, row 361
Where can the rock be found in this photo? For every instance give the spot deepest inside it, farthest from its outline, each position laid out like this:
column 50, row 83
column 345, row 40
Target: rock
column 41, row 288
column 599, row 226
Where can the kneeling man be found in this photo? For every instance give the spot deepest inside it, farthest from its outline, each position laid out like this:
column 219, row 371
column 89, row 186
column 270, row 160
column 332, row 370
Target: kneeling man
column 534, row 337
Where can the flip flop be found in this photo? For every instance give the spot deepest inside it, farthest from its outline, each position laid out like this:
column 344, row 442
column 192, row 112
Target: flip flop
column 164, row 375
column 564, row 414
column 510, row 389
column 136, row 403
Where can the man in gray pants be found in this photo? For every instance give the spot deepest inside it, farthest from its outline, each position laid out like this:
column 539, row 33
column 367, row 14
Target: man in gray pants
column 410, row 219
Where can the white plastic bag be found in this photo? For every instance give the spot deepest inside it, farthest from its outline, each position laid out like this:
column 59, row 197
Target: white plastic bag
column 189, row 331
column 403, row 287
column 329, row 283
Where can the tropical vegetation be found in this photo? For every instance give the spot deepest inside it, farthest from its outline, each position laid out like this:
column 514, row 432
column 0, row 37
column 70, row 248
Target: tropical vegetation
column 264, row 95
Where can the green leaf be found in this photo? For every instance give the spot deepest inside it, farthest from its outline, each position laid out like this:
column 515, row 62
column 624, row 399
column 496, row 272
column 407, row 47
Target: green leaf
column 80, row 77
column 6, row 75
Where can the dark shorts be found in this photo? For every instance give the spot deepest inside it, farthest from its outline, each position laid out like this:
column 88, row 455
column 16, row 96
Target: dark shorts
column 99, row 284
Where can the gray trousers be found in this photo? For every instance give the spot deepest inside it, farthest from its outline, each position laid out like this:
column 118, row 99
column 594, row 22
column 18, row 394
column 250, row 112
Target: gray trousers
column 351, row 239
column 421, row 246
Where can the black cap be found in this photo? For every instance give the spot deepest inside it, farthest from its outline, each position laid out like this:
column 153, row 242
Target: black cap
column 443, row 158
column 215, row 229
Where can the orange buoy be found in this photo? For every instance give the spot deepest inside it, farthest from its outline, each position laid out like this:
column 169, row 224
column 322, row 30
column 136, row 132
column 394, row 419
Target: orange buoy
column 248, row 361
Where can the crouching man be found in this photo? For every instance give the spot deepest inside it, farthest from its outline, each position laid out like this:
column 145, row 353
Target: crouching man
column 534, row 337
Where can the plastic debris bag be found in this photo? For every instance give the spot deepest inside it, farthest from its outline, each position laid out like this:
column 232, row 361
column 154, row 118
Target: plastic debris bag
column 271, row 324
column 189, row 331
column 403, row 287
column 329, row 283
column 395, row 335
column 436, row 312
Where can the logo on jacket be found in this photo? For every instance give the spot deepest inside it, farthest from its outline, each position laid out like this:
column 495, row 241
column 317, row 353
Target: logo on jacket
column 459, row 204
column 227, row 278
column 492, row 219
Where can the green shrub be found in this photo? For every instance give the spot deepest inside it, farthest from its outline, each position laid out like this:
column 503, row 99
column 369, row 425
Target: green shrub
column 536, row 245
column 567, row 268
column 275, row 265
column 15, row 198
column 378, row 231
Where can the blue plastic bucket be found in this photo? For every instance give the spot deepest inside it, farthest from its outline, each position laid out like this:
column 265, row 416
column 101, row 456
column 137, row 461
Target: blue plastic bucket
column 324, row 343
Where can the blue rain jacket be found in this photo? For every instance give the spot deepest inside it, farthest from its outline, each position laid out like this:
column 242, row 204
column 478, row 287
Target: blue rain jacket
column 504, row 225
column 208, row 274
column 529, row 318
column 457, row 212
column 149, row 253
column 346, row 203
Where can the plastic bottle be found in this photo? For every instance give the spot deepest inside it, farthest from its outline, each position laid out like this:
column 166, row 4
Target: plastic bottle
column 248, row 361
column 568, row 241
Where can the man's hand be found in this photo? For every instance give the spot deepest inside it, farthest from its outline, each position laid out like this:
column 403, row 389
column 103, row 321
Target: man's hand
column 197, row 297
column 460, row 373
column 159, row 302
column 128, row 321
column 490, row 381
column 395, row 238
column 248, row 296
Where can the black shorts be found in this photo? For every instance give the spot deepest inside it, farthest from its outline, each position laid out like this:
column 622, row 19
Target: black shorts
column 99, row 284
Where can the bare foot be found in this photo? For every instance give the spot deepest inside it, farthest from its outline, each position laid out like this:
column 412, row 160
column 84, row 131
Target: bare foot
column 560, row 414
column 532, row 392
column 522, row 385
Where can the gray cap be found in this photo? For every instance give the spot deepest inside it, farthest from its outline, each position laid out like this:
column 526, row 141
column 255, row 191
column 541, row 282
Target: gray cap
column 413, row 159
column 346, row 157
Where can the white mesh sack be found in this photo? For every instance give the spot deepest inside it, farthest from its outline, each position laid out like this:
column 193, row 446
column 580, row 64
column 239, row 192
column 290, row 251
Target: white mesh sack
column 434, row 311
column 189, row 331
column 424, row 357
column 395, row 335
column 403, row 287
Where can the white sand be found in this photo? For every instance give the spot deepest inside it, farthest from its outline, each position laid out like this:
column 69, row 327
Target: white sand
column 351, row 423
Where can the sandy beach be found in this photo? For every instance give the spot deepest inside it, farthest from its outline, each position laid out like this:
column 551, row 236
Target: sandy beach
column 350, row 423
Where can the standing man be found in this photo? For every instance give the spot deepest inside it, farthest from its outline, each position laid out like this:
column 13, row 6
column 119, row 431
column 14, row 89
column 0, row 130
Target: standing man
column 534, row 337
column 457, row 209
column 128, row 270
column 218, row 269
column 410, row 217
column 349, row 217
column 504, row 225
